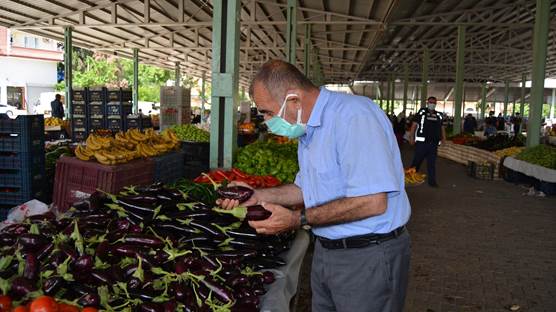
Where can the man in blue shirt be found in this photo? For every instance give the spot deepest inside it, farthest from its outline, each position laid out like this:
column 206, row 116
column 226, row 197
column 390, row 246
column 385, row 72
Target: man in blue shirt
column 351, row 181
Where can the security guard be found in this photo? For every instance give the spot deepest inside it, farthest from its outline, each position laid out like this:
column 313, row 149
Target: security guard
column 427, row 131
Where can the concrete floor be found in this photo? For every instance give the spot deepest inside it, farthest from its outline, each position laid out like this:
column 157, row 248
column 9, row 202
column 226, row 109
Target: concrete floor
column 476, row 246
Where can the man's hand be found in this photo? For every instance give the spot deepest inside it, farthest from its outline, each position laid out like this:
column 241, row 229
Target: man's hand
column 231, row 203
column 281, row 220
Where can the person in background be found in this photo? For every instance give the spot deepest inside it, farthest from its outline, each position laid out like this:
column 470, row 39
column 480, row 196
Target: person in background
column 206, row 116
column 490, row 129
column 427, row 131
column 399, row 128
column 516, row 121
column 500, row 123
column 351, row 182
column 57, row 107
column 470, row 124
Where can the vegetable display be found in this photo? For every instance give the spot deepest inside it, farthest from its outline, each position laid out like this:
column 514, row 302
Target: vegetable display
column 542, row 155
column 510, row 151
column 269, row 158
column 220, row 176
column 190, row 133
column 498, row 142
column 144, row 249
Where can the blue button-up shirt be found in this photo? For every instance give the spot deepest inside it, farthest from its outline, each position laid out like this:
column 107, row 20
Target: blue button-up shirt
column 350, row 150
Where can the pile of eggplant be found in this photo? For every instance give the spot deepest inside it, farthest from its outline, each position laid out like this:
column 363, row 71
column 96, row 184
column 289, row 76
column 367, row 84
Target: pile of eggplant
column 145, row 249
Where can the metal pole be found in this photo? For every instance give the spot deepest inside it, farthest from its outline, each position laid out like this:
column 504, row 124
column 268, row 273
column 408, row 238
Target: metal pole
column 483, row 99
column 179, row 102
column 522, row 104
column 388, row 94
column 506, row 97
column 393, row 96
column 425, row 77
column 135, row 80
column 68, row 72
column 203, row 79
column 540, row 43
column 291, row 32
column 225, row 82
column 552, row 103
column 460, row 56
column 513, row 108
column 307, row 50
column 381, row 91
column 405, row 87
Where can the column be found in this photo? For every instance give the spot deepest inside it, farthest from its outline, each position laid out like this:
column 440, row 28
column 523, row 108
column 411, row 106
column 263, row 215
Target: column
column 291, row 32
column 405, row 87
column 425, row 77
column 506, row 97
column 540, row 42
column 179, row 102
column 307, row 51
column 225, row 82
column 68, row 72
column 203, row 79
column 483, row 99
column 459, row 79
column 135, row 80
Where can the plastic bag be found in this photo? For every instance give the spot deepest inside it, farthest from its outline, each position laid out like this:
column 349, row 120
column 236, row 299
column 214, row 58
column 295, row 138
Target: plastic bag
column 19, row 213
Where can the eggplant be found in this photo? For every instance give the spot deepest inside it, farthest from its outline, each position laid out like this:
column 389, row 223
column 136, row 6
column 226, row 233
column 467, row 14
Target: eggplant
column 69, row 251
column 143, row 240
column 16, row 229
column 7, row 239
column 175, row 228
column 268, row 277
column 32, row 241
column 247, row 244
column 170, row 306
column 257, row 213
column 84, row 205
column 173, row 193
column 122, row 224
column 98, row 199
column 124, row 250
column 32, row 265
column 219, row 291
column 237, row 280
column 21, row 286
column 89, row 300
column 238, row 192
column 83, row 263
column 197, row 215
column 45, row 217
column 52, row 285
column 265, row 263
column 151, row 307
column 243, row 232
column 100, row 278
column 102, row 250
column 208, row 229
column 134, row 283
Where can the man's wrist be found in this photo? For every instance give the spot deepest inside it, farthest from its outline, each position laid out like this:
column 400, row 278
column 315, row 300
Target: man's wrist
column 296, row 219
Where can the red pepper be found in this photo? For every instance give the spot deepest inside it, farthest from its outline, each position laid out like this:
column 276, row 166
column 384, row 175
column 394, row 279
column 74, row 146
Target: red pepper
column 221, row 174
column 238, row 173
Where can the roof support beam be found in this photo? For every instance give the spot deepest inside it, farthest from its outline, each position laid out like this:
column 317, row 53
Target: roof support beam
column 291, row 32
column 425, row 76
column 483, row 100
column 68, row 73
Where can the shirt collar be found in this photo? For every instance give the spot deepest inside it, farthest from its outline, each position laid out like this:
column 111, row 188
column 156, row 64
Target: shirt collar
column 315, row 119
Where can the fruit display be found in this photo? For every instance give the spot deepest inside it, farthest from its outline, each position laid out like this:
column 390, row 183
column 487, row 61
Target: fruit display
column 220, row 176
column 146, row 248
column 412, row 177
column 190, row 133
column 498, row 142
column 464, row 139
column 42, row 304
column 246, row 128
column 269, row 159
column 542, row 155
column 53, row 121
column 510, row 151
column 124, row 147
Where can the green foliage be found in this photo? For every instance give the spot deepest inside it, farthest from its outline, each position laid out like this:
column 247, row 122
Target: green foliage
column 542, row 155
column 269, row 158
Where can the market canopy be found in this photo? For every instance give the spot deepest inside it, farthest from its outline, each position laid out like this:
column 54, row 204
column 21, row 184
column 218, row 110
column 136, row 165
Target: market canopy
column 350, row 40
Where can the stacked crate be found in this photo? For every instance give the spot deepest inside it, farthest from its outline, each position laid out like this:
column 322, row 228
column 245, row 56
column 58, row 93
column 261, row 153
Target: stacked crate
column 114, row 120
column 170, row 110
column 96, row 109
column 79, row 115
column 21, row 159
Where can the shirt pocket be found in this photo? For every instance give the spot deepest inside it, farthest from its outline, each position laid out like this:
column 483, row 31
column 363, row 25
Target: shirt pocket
column 328, row 185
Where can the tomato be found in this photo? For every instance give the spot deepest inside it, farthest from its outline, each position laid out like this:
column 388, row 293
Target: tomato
column 5, row 303
column 89, row 309
column 64, row 307
column 20, row 309
column 44, row 304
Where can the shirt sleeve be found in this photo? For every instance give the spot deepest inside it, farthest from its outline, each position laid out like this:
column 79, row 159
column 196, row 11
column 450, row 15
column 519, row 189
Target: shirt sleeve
column 367, row 162
column 298, row 178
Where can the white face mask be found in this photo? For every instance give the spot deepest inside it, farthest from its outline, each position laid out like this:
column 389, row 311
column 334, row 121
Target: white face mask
column 280, row 126
column 431, row 106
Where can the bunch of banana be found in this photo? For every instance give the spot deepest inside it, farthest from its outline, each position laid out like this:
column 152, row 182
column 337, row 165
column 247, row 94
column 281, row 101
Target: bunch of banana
column 414, row 177
column 510, row 151
column 136, row 135
column 170, row 137
column 53, row 121
column 84, row 153
column 146, row 150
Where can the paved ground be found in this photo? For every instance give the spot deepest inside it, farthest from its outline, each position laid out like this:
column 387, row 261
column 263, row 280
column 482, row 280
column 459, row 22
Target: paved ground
column 476, row 246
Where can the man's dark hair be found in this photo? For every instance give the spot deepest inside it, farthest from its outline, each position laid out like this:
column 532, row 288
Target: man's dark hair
column 58, row 97
column 431, row 98
column 277, row 77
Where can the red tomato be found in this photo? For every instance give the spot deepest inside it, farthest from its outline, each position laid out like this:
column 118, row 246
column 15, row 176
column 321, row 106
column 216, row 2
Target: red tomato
column 64, row 307
column 20, row 309
column 89, row 309
column 5, row 303
column 44, row 304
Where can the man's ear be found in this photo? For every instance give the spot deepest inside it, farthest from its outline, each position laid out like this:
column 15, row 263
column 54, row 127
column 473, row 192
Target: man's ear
column 295, row 97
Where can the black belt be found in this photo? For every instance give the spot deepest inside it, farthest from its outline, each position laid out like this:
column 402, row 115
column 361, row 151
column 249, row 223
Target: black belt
column 360, row 240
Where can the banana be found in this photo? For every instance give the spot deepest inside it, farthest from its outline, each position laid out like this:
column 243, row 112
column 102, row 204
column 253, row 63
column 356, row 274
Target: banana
column 101, row 158
column 92, row 144
column 150, row 151
column 137, row 136
column 79, row 154
column 108, row 155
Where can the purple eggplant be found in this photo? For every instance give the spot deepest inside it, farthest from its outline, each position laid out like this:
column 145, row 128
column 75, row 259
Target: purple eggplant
column 257, row 213
column 174, row 228
column 32, row 241
column 32, row 265
column 221, row 292
column 16, row 229
column 52, row 285
column 45, row 217
column 89, row 300
column 100, row 278
column 151, row 307
column 207, row 228
column 84, row 205
column 21, row 287
column 238, row 280
column 178, row 291
column 268, row 277
column 122, row 224
column 143, row 240
column 124, row 250
column 7, row 239
column 102, row 250
column 238, row 192
column 83, row 263
column 170, row 306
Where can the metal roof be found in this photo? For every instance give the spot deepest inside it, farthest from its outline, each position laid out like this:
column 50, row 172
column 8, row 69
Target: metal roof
column 354, row 39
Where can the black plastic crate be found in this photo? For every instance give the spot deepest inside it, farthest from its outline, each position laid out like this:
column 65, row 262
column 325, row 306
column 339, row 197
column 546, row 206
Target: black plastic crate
column 4, row 213
column 196, row 151
column 127, row 108
column 146, row 123
column 79, row 122
column 114, row 123
column 79, row 136
column 127, row 95
column 114, row 110
column 194, row 169
column 14, row 160
column 169, row 168
column 24, row 125
column 132, row 123
column 79, row 110
column 96, row 110
column 483, row 171
column 96, row 96
column 96, row 123
column 113, row 95
column 78, row 95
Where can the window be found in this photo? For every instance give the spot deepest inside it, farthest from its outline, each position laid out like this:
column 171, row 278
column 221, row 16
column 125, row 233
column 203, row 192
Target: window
column 31, row 42
column 15, row 96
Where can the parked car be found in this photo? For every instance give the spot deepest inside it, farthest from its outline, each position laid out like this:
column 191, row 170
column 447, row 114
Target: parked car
column 11, row 111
